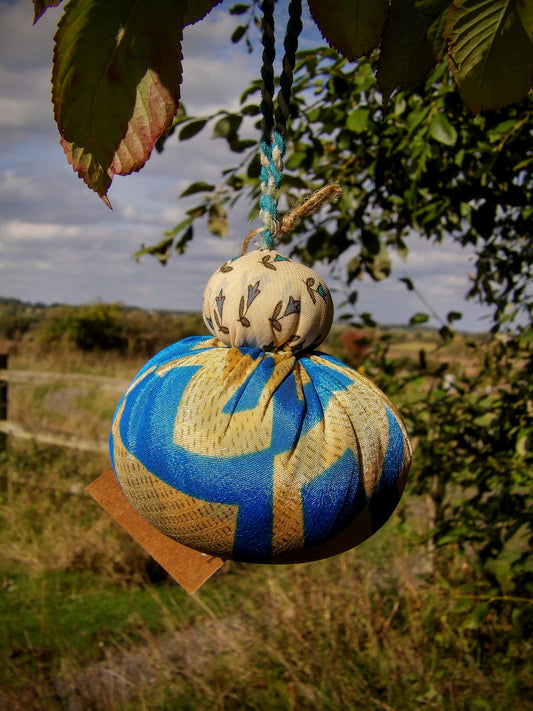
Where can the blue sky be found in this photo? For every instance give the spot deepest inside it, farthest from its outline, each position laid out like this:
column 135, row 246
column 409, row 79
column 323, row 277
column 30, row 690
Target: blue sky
column 60, row 243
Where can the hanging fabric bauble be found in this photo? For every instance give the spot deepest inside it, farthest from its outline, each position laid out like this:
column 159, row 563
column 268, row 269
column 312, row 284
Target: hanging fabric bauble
column 250, row 445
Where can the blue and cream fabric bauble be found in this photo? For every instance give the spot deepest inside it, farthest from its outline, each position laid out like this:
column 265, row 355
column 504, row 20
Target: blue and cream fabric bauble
column 251, row 446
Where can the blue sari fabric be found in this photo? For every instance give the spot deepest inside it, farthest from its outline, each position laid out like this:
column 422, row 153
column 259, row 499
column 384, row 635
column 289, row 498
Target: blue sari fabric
column 256, row 456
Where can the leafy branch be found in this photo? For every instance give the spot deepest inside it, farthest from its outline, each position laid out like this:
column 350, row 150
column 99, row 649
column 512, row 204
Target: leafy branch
column 424, row 165
column 117, row 63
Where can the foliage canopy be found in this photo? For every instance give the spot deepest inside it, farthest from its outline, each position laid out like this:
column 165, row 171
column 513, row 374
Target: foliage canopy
column 424, row 166
column 117, row 65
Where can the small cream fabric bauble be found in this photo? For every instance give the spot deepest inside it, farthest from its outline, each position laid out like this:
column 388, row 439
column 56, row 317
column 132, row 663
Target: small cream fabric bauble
column 265, row 300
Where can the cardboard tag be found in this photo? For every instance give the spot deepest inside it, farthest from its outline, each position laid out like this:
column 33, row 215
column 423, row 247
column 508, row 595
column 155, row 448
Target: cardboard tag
column 188, row 567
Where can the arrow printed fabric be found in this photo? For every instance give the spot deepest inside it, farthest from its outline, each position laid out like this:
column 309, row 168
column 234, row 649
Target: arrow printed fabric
column 258, row 456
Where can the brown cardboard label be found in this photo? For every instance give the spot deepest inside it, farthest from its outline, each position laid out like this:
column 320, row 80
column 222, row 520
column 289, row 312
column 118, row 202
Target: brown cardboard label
column 188, row 567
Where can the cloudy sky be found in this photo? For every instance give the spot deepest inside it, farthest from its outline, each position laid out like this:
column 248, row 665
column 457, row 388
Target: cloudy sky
column 60, row 243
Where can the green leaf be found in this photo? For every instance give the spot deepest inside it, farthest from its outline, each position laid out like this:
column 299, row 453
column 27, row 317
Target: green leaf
column 478, row 616
column 370, row 242
column 161, row 250
column 454, row 316
column 357, row 121
column 238, row 33
column 41, row 6
column 352, row 27
column 418, row 318
column 115, row 84
column 412, row 44
column 408, row 283
column 446, row 334
column 179, row 227
column 186, row 237
column 217, row 221
column 241, row 145
column 198, row 187
column 197, row 9
column 368, row 321
column 441, row 130
column 250, row 110
column 239, row 9
column 227, row 126
column 491, row 51
column 379, row 266
column 191, row 128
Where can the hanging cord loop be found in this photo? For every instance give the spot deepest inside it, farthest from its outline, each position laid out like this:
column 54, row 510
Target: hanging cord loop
column 272, row 150
column 327, row 194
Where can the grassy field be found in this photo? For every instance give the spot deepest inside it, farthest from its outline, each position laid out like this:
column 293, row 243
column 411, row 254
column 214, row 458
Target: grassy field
column 89, row 621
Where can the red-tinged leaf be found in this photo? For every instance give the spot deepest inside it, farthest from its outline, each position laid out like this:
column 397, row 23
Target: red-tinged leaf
column 152, row 115
column 491, row 51
column 197, row 10
column 413, row 42
column 352, row 27
column 115, row 83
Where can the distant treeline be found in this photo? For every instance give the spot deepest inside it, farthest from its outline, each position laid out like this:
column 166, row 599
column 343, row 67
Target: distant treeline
column 97, row 326
column 130, row 330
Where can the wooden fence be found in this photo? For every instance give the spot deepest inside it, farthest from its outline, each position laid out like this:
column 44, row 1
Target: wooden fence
column 39, row 434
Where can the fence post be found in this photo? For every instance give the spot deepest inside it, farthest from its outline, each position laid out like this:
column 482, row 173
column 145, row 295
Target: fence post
column 3, row 399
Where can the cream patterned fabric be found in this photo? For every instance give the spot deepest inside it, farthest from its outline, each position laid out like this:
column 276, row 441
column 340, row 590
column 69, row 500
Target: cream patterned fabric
column 268, row 301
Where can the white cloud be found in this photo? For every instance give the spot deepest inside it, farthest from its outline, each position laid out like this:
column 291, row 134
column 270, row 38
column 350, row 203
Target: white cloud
column 24, row 45
column 38, row 232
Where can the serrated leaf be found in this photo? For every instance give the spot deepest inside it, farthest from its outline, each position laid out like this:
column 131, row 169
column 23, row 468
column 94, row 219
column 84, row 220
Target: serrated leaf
column 441, row 130
column 491, row 51
column 198, row 187
column 197, row 10
column 115, row 84
column 191, row 128
column 352, row 27
column 41, row 6
column 413, row 43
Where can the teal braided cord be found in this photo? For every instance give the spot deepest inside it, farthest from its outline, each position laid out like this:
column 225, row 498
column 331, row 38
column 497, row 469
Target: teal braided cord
column 272, row 153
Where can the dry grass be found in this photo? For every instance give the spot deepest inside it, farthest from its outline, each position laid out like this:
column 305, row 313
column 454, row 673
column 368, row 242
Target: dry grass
column 90, row 624
column 348, row 632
